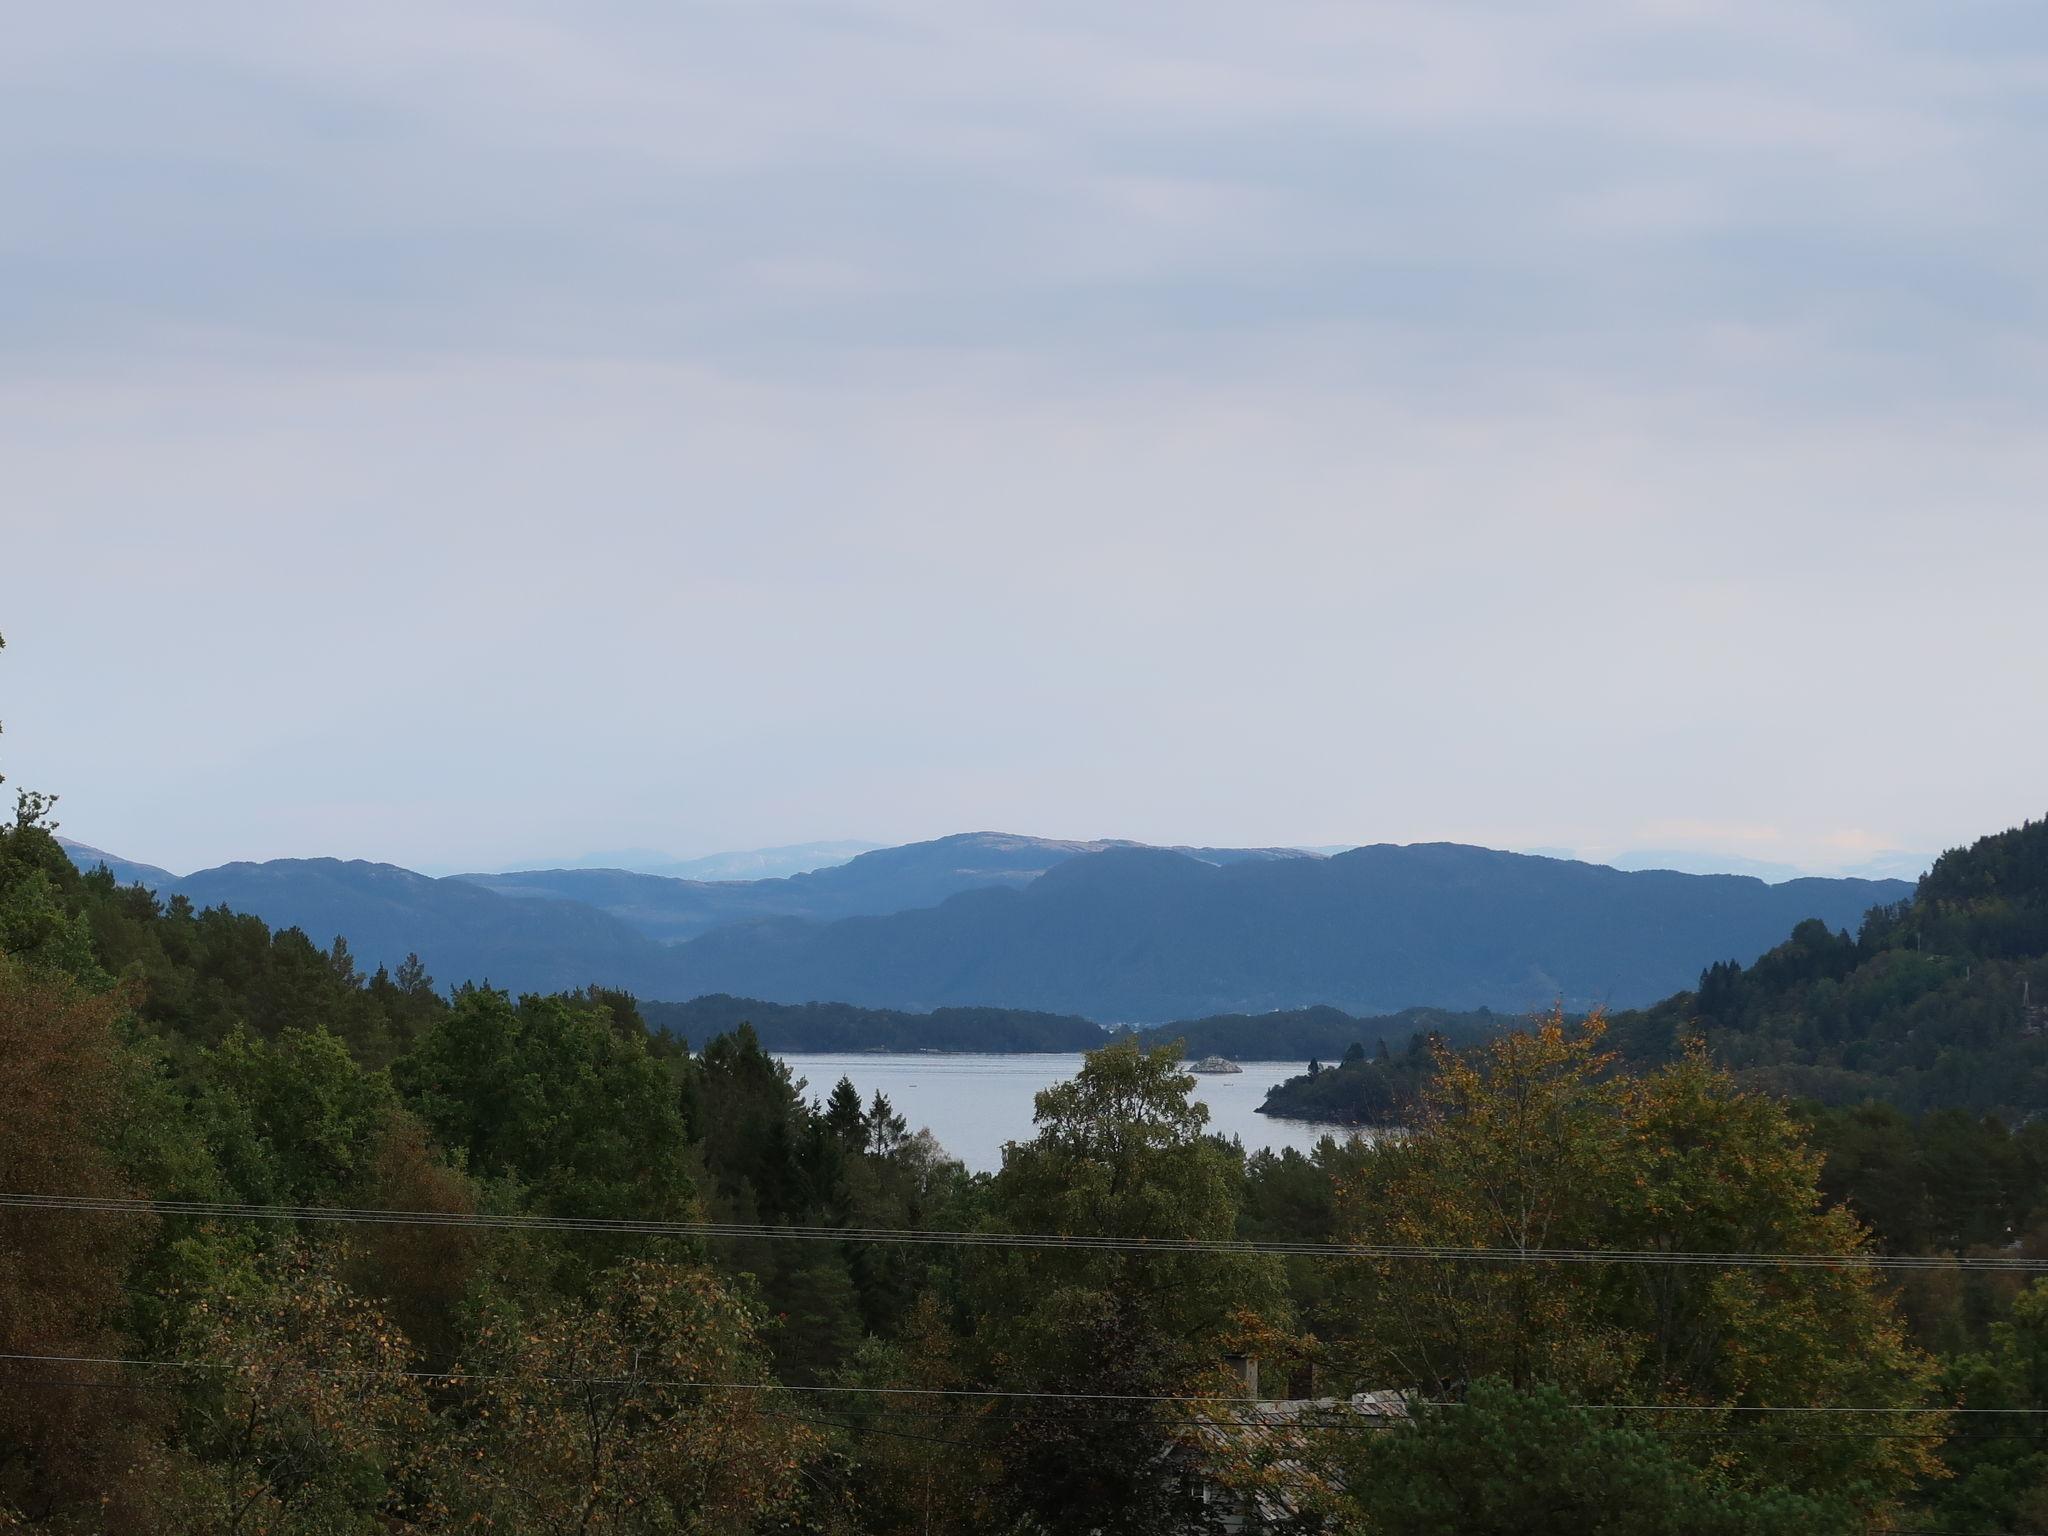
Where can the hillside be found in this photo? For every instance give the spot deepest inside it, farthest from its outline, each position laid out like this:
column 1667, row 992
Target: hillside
column 1149, row 935
column 1311, row 1034
column 754, row 863
column 842, row 1027
column 1300, row 1035
column 1941, row 1000
column 127, row 871
column 462, row 932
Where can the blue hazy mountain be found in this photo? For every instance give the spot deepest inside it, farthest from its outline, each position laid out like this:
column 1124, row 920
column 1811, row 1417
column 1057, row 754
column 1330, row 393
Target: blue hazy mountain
column 872, row 884
column 1107, row 931
column 462, row 932
column 1145, row 934
column 735, row 864
column 127, row 871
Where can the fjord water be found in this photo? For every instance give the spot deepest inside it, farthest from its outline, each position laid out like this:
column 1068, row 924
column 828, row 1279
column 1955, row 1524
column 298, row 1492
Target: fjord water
column 974, row 1104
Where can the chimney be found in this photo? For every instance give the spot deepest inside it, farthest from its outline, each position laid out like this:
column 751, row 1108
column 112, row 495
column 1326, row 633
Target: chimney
column 1246, row 1369
column 1301, row 1381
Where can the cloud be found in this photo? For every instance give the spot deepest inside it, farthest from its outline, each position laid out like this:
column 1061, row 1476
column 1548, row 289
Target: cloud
column 1603, row 190
column 739, row 423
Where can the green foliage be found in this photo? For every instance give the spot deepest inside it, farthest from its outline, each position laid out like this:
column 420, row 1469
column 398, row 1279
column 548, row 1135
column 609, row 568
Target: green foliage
column 1382, row 1089
column 1945, row 1181
column 1120, row 1151
column 843, row 1027
column 295, row 1120
column 771, row 1156
column 41, row 924
column 1297, row 1034
column 585, row 1418
column 2001, row 1480
column 1538, row 1144
column 311, row 1425
column 1938, row 1002
column 550, row 1097
column 1509, row 1462
column 62, row 1070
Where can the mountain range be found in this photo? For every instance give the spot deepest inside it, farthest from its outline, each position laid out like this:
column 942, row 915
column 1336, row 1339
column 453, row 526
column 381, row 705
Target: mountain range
column 874, row 884
column 1108, row 930
column 736, row 864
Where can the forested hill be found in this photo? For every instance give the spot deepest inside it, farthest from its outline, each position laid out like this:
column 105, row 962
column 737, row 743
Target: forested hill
column 1938, row 1002
column 1308, row 1034
column 462, row 932
column 1941, row 1000
column 843, row 1027
column 1296, row 1035
column 1149, row 935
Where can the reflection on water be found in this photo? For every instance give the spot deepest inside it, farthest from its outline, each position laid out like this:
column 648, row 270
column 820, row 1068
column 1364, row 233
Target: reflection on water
column 974, row 1104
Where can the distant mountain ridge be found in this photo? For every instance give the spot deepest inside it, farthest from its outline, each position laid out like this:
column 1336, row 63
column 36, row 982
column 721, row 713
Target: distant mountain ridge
column 1147, row 935
column 733, row 864
column 1110, row 931
column 462, row 932
column 872, row 884
column 1299, row 1035
column 127, row 871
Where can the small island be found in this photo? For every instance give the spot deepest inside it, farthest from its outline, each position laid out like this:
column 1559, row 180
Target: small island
column 1381, row 1089
column 1214, row 1064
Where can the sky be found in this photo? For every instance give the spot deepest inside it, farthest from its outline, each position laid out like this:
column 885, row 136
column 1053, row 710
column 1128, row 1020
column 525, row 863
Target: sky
column 456, row 433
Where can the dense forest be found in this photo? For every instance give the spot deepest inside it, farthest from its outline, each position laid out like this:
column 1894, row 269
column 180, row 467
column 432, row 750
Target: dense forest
column 290, row 1248
column 843, row 1027
column 1939, row 1002
column 838, row 1027
column 1374, row 1088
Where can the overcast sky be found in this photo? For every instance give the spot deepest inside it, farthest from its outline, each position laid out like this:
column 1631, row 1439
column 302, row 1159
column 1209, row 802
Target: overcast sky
column 459, row 433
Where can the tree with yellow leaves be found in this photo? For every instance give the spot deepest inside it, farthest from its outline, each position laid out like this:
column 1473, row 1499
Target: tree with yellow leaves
column 1536, row 1141
column 611, row 1414
column 307, row 1418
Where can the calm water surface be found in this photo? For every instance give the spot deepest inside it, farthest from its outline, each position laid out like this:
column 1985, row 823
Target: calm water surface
column 974, row 1104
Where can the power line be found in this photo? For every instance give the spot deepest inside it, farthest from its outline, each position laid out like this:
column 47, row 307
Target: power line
column 1270, row 1433
column 1243, row 1415
column 746, row 1231
column 987, row 1393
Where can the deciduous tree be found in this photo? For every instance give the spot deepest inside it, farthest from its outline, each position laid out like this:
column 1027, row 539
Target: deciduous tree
column 613, row 1414
column 1537, row 1142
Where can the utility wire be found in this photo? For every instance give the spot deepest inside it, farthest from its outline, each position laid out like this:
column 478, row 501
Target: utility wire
column 979, row 1393
column 628, row 1226
column 1244, row 1416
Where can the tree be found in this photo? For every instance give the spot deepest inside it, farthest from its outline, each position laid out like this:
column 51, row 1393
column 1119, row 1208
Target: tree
column 553, row 1099
column 296, row 1120
column 66, row 1438
column 843, row 1114
column 1120, row 1152
column 311, row 1423
column 1531, row 1463
column 37, row 926
column 923, row 1461
column 2001, row 1479
column 1536, row 1143
column 884, row 1129
column 593, row 1417
column 420, row 1272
